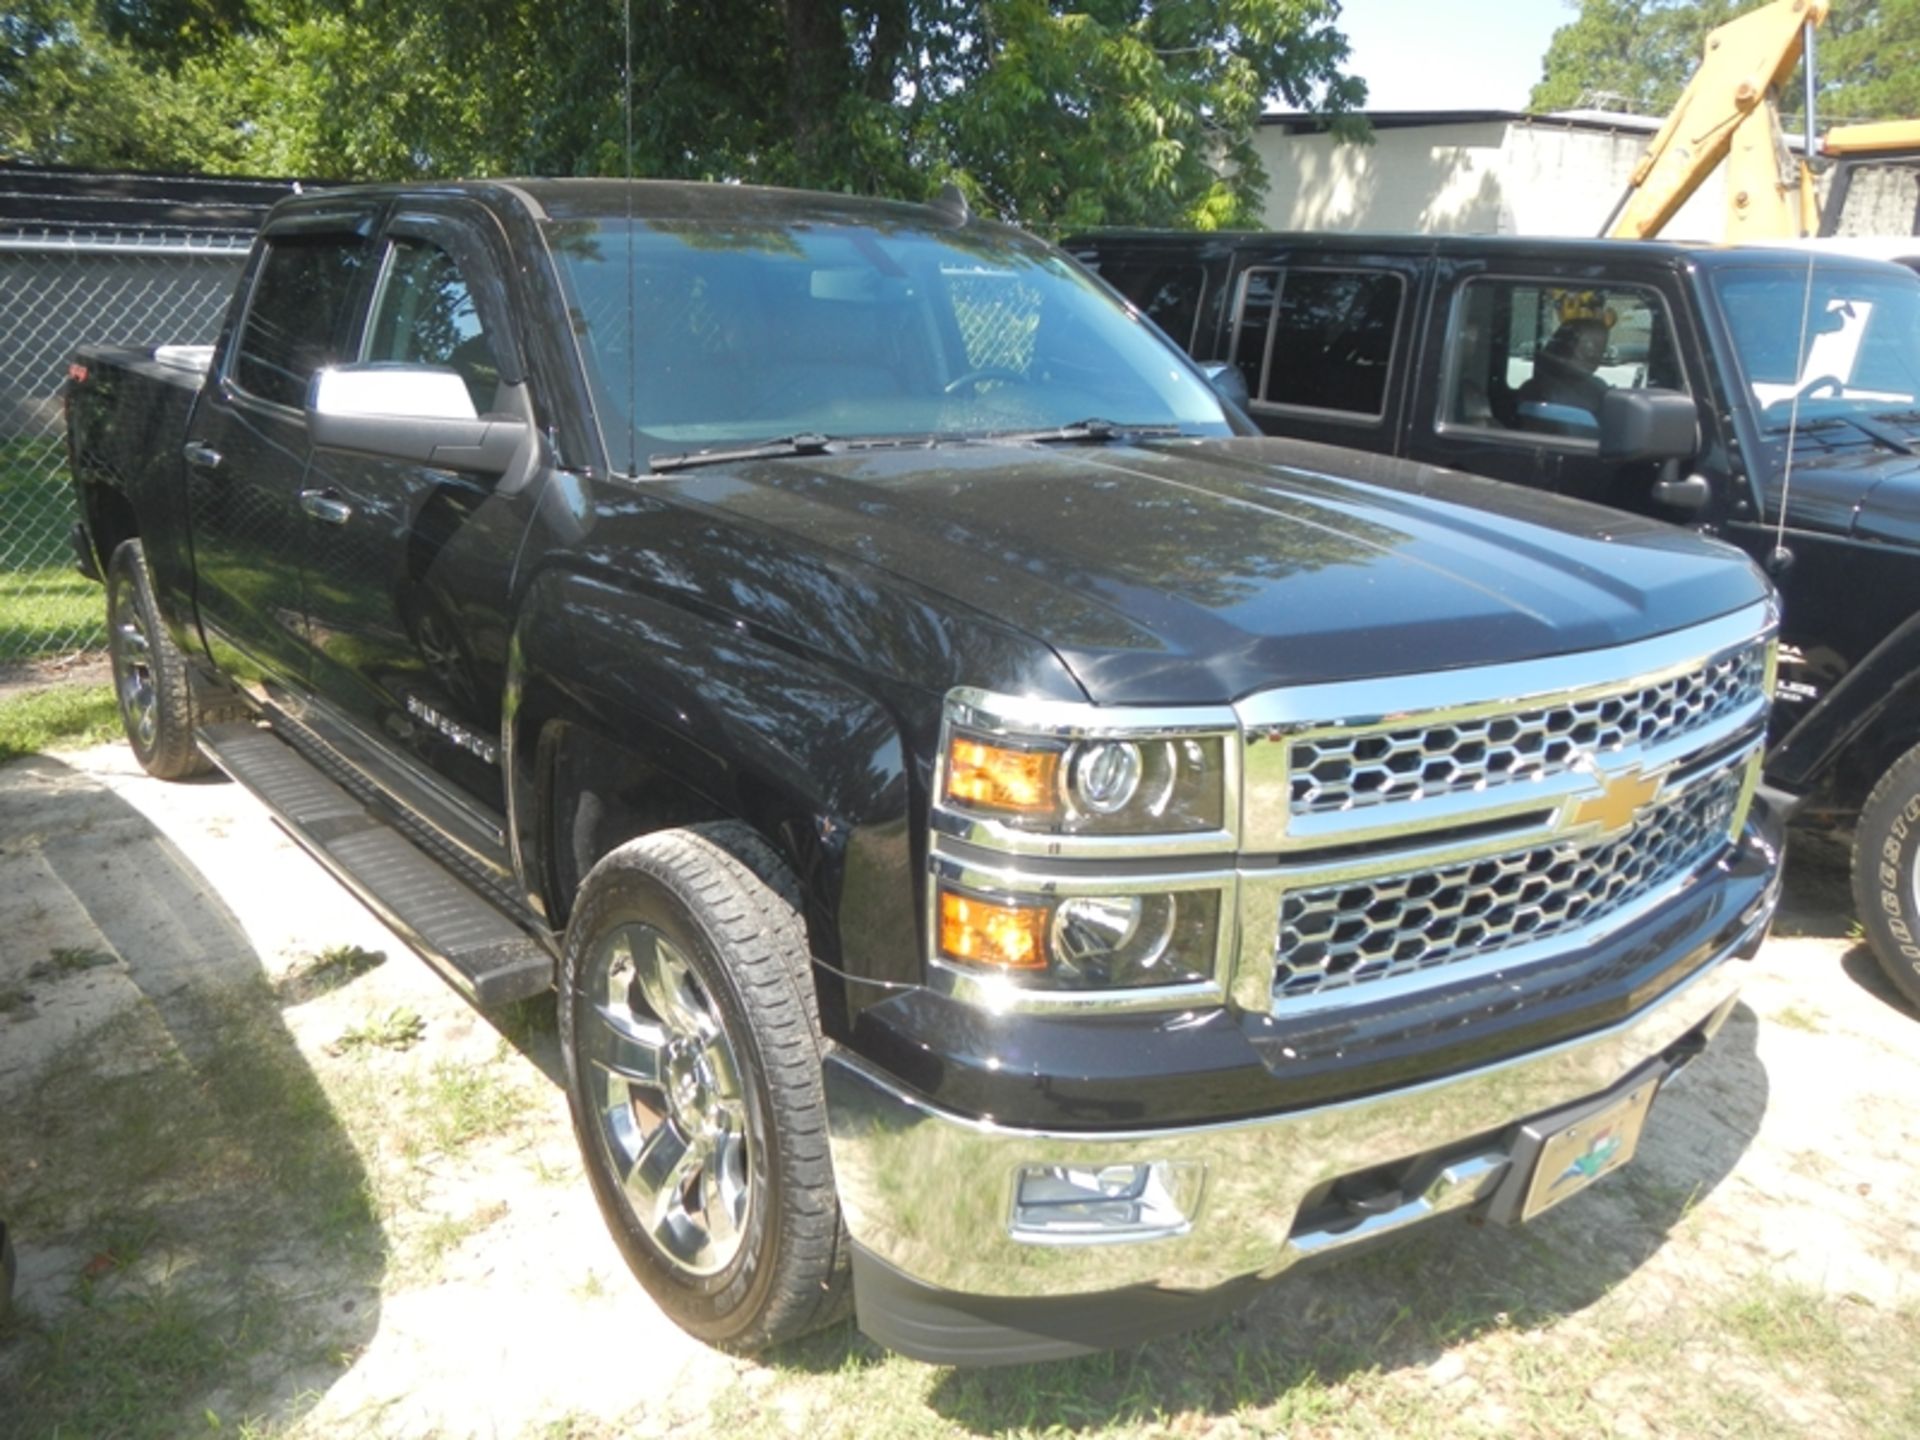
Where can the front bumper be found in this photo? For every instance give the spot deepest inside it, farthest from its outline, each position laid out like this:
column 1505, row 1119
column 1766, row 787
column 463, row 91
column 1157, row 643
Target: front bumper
column 928, row 1195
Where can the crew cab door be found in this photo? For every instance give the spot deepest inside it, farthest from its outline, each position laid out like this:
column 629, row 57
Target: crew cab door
column 409, row 565
column 1515, row 362
column 246, row 448
column 1322, row 339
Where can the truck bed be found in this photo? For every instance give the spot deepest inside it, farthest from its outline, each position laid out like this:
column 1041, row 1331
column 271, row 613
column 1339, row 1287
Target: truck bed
column 127, row 408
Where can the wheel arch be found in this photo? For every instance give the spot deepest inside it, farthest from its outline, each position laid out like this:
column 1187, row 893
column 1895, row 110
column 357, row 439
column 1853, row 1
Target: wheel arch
column 1840, row 749
column 696, row 722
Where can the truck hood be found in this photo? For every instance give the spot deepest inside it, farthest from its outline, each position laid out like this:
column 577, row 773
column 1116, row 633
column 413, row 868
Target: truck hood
column 1865, row 492
column 1201, row 571
column 1868, row 493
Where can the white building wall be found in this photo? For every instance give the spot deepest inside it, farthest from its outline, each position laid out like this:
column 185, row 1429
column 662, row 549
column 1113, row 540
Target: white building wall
column 1486, row 177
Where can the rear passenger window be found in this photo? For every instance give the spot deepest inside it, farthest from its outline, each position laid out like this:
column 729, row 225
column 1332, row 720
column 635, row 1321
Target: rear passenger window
column 1538, row 358
column 1328, row 338
column 296, row 315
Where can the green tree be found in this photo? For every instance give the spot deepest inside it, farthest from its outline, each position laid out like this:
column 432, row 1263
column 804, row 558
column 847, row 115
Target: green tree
column 1134, row 111
column 1640, row 54
column 73, row 90
column 1869, row 58
column 1627, row 54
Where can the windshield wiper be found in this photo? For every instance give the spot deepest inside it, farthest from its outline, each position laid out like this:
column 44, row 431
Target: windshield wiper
column 1875, row 430
column 1091, row 431
column 804, row 444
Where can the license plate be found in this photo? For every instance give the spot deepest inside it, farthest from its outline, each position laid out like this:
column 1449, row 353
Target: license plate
column 1597, row 1144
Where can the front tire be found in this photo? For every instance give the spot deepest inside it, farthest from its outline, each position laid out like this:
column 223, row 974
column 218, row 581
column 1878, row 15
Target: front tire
column 150, row 681
column 1886, row 872
column 691, row 1045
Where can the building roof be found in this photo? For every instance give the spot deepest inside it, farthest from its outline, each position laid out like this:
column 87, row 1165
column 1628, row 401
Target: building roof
column 52, row 201
column 1302, row 122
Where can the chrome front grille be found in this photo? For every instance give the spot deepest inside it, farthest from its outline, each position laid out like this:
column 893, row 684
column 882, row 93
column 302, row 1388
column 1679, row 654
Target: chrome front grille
column 1385, row 926
column 1345, row 769
column 1547, row 803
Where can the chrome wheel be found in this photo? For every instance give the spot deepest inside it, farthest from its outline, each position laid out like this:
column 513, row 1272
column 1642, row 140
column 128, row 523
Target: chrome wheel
column 672, row 1114
column 133, row 669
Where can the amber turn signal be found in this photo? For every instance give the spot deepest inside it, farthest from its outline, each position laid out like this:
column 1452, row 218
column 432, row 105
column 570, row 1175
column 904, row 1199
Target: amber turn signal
column 991, row 934
column 997, row 777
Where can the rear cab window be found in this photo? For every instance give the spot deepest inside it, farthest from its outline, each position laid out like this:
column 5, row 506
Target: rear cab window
column 297, row 315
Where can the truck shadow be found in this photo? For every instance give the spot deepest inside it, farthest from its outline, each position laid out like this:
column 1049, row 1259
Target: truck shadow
column 187, row 1204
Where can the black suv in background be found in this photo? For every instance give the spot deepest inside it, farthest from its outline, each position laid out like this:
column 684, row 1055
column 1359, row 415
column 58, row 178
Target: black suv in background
column 1769, row 397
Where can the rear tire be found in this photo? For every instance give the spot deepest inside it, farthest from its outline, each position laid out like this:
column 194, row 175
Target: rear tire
column 691, row 1044
column 1886, row 873
column 150, row 680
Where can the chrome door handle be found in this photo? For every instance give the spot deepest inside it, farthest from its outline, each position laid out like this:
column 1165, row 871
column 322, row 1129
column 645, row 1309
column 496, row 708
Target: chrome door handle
column 322, row 506
column 203, row 457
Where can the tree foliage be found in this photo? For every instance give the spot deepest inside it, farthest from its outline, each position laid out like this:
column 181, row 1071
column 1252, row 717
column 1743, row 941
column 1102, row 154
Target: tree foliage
column 1872, row 62
column 1119, row 111
column 1639, row 55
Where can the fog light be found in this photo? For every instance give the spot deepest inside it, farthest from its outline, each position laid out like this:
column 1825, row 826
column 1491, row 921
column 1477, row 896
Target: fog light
column 1086, row 1205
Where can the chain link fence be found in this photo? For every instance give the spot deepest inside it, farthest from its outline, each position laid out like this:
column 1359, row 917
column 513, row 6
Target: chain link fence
column 58, row 291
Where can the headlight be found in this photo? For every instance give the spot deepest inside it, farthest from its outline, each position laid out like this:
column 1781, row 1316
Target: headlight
column 1106, row 780
column 1081, row 942
column 1077, row 851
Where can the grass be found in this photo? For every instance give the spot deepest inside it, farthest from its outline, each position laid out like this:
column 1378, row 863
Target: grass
column 430, row 1245
column 1799, row 1017
column 48, row 610
column 67, row 717
column 233, row 1197
column 325, row 971
column 46, row 606
column 65, row 960
column 400, row 1028
column 455, row 1105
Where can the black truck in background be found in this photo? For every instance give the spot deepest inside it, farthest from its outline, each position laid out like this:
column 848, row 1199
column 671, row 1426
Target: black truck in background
column 1017, row 850
column 1798, row 440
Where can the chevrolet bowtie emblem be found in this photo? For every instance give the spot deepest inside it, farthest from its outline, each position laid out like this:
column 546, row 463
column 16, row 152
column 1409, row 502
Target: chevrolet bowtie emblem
column 1619, row 801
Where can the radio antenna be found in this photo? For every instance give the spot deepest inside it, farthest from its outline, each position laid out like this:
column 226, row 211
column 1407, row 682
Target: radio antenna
column 1779, row 559
column 633, row 337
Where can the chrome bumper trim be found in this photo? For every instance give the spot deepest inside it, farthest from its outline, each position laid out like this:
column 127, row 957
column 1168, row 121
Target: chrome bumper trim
column 931, row 1192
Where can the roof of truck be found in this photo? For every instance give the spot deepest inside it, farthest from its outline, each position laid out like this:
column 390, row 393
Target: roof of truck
column 1516, row 247
column 655, row 201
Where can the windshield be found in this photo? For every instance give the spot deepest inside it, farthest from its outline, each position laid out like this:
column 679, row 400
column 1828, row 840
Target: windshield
column 759, row 331
column 1862, row 352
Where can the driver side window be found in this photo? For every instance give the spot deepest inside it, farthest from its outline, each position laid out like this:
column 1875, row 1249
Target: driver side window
column 1537, row 358
column 426, row 316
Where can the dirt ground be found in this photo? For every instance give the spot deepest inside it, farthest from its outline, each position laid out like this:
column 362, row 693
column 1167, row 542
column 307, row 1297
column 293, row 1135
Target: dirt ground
column 268, row 1175
column 81, row 667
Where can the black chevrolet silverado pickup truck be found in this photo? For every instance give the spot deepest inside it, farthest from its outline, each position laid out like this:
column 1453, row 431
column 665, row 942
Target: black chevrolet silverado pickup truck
column 1017, row 851
column 1791, row 380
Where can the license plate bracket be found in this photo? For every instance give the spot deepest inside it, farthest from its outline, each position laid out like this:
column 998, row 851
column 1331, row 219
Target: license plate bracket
column 1561, row 1153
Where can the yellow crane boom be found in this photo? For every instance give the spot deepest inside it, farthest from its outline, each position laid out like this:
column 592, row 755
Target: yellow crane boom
column 1727, row 114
